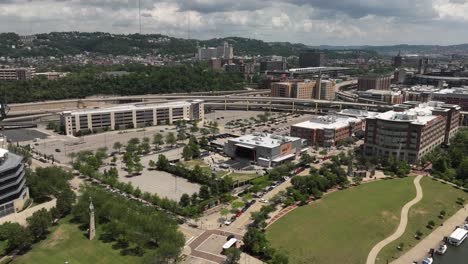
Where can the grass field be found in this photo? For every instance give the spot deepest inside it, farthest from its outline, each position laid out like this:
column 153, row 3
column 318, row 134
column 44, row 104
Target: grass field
column 68, row 243
column 343, row 226
column 436, row 197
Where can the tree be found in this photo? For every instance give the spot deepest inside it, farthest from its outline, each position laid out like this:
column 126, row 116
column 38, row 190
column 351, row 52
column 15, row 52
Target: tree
column 224, row 212
column 163, row 162
column 255, row 241
column 117, row 146
column 65, row 201
column 138, row 168
column 170, row 138
column 187, row 153
column 145, row 147
column 194, row 128
column 181, row 136
column 430, row 224
column 232, row 255
column 357, row 180
column 204, row 141
column 205, row 131
column 204, row 192
column 39, row 224
column 18, row 237
column 236, row 205
column 134, row 141
column 184, row 200
column 306, row 159
column 158, row 140
column 279, row 257
column 152, row 164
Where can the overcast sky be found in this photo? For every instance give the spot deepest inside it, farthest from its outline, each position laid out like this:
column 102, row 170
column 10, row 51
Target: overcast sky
column 315, row 22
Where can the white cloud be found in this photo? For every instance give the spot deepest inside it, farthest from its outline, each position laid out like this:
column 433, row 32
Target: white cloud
column 328, row 22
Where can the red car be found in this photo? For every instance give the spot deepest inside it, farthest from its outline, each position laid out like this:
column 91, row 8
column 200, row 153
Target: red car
column 239, row 214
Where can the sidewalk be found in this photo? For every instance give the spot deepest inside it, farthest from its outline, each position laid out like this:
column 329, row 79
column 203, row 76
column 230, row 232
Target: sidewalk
column 433, row 240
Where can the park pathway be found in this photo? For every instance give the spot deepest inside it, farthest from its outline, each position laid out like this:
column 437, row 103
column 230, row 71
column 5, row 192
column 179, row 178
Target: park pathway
column 401, row 227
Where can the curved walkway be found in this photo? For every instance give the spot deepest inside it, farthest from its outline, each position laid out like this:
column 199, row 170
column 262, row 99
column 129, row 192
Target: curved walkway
column 401, row 227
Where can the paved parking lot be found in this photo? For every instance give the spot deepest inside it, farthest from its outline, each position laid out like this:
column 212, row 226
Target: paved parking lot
column 24, row 134
column 66, row 144
column 160, row 182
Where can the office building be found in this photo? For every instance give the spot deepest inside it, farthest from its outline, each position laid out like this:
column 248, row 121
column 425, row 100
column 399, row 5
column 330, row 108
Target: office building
column 299, row 90
column 398, row 60
column 457, row 96
column 374, row 82
column 224, row 51
column 385, row 96
column 311, row 58
column 130, row 116
column 273, row 66
column 266, row 150
column 13, row 190
column 215, row 64
column 326, row 90
column 326, row 131
column 16, row 74
column 411, row 130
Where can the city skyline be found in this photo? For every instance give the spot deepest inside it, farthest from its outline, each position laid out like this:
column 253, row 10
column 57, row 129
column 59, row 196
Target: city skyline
column 314, row 22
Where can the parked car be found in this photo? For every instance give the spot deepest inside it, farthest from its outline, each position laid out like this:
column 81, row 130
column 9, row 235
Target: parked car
column 263, row 200
column 227, row 222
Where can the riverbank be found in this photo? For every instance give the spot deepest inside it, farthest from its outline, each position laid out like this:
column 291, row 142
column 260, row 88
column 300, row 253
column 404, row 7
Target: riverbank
column 420, row 251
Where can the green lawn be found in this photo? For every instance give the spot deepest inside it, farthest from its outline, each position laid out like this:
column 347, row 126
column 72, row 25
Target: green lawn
column 437, row 197
column 243, row 176
column 343, row 226
column 68, row 243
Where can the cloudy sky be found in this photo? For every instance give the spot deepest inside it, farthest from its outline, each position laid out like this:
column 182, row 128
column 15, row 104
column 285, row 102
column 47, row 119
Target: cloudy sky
column 315, row 22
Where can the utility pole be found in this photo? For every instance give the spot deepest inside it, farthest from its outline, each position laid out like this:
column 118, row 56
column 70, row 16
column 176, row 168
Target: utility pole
column 139, row 14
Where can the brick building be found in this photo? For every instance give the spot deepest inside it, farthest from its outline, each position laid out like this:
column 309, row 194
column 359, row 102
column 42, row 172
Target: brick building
column 411, row 130
column 326, row 131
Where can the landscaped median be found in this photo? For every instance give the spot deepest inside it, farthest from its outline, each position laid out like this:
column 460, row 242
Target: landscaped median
column 437, row 198
column 343, row 226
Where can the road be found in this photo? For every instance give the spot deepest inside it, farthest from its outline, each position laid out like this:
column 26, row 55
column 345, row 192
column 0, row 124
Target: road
column 241, row 223
column 401, row 227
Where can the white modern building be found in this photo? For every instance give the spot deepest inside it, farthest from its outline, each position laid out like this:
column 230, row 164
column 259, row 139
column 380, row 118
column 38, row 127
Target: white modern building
column 267, row 150
column 130, row 116
column 13, row 190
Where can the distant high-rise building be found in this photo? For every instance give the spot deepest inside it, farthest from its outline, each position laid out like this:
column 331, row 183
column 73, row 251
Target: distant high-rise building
column 398, row 60
column 423, row 65
column 225, row 51
column 311, row 58
column 325, row 90
column 299, row 90
column 273, row 66
column 374, row 82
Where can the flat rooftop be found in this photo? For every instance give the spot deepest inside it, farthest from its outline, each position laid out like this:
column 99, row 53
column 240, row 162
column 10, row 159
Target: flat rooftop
column 457, row 90
column 327, row 122
column 130, row 107
column 357, row 113
column 419, row 115
column 263, row 140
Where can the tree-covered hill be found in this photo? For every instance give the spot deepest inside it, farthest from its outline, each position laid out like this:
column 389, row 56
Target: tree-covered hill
column 71, row 43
